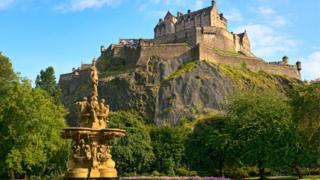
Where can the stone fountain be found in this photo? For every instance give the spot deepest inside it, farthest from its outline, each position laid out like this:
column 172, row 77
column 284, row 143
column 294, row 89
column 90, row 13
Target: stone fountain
column 91, row 156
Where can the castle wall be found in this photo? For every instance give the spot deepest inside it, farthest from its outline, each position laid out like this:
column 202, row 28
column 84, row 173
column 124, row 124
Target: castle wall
column 139, row 56
column 165, row 51
column 254, row 64
column 211, row 36
column 129, row 53
column 216, row 38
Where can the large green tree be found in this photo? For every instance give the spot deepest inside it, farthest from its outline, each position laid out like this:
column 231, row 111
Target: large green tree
column 210, row 146
column 261, row 122
column 30, row 124
column 46, row 80
column 133, row 153
column 305, row 100
column 169, row 147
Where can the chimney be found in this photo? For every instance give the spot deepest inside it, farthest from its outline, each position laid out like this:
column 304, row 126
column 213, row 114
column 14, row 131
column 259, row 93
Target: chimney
column 213, row 3
column 189, row 11
column 102, row 49
column 299, row 68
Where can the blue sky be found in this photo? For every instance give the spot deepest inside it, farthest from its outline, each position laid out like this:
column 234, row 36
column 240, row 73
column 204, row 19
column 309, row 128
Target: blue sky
column 36, row 34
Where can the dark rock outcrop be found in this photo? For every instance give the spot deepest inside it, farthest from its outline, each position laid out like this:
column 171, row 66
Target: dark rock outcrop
column 165, row 92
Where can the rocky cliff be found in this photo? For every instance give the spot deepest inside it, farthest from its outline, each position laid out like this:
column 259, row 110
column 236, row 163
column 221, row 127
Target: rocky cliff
column 167, row 91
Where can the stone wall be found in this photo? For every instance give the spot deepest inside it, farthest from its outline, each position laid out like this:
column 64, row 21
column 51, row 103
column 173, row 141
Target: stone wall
column 129, row 53
column 165, row 51
column 210, row 36
column 139, row 56
column 253, row 63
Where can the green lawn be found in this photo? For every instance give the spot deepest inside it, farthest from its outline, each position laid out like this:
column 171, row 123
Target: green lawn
column 288, row 178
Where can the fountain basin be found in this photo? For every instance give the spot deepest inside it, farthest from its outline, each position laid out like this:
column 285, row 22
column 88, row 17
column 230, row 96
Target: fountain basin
column 82, row 132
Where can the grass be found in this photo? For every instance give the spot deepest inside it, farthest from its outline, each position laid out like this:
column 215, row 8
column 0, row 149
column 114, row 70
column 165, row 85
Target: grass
column 244, row 77
column 228, row 53
column 287, row 178
column 181, row 70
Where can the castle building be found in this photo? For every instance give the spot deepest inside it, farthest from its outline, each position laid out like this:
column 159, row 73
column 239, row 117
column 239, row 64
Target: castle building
column 196, row 35
column 206, row 26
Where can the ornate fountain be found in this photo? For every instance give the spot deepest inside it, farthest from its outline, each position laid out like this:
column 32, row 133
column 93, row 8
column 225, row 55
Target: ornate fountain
column 91, row 156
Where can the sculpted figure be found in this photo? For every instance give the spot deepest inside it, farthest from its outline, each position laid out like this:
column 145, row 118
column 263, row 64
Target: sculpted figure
column 94, row 78
column 104, row 109
column 76, row 151
column 94, row 108
column 87, row 151
column 94, row 147
column 84, row 106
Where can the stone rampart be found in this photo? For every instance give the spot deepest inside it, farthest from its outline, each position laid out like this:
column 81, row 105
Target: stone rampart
column 166, row 52
column 253, row 63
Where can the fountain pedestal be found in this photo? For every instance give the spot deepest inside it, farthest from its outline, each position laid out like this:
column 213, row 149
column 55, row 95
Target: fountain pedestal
column 91, row 153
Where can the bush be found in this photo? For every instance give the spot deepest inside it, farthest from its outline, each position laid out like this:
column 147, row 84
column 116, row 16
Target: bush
column 237, row 173
column 182, row 172
column 155, row 173
column 193, row 173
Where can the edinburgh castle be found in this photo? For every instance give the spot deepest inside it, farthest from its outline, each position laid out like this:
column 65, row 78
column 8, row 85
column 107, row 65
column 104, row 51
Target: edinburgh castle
column 199, row 35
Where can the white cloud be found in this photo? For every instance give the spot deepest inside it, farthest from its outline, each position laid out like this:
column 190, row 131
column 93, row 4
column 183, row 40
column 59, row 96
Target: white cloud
column 234, row 15
column 265, row 11
column 271, row 17
column 266, row 42
column 4, row 4
column 311, row 66
column 80, row 5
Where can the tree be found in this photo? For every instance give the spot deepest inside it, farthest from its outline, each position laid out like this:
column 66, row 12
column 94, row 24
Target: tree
column 30, row 125
column 47, row 81
column 261, row 122
column 7, row 75
column 210, row 146
column 305, row 100
column 169, row 147
column 133, row 153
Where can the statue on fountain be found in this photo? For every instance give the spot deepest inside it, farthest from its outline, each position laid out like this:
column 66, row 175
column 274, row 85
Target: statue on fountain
column 91, row 154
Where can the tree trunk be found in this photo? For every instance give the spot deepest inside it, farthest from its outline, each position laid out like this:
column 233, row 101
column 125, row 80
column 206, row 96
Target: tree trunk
column 297, row 169
column 261, row 171
column 221, row 168
column 11, row 174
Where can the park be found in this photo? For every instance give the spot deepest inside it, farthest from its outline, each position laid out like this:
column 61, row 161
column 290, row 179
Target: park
column 198, row 100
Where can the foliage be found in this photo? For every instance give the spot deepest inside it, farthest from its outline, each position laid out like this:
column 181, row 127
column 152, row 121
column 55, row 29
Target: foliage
column 7, row 76
column 246, row 79
column 305, row 100
column 182, row 69
column 110, row 65
column 30, row 124
column 210, row 146
column 46, row 80
column 133, row 153
column 169, row 147
column 261, row 124
column 6, row 70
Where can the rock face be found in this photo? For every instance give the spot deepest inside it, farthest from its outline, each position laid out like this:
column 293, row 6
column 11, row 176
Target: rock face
column 169, row 90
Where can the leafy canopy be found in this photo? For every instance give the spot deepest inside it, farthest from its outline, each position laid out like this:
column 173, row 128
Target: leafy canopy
column 47, row 81
column 261, row 123
column 133, row 153
column 30, row 124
